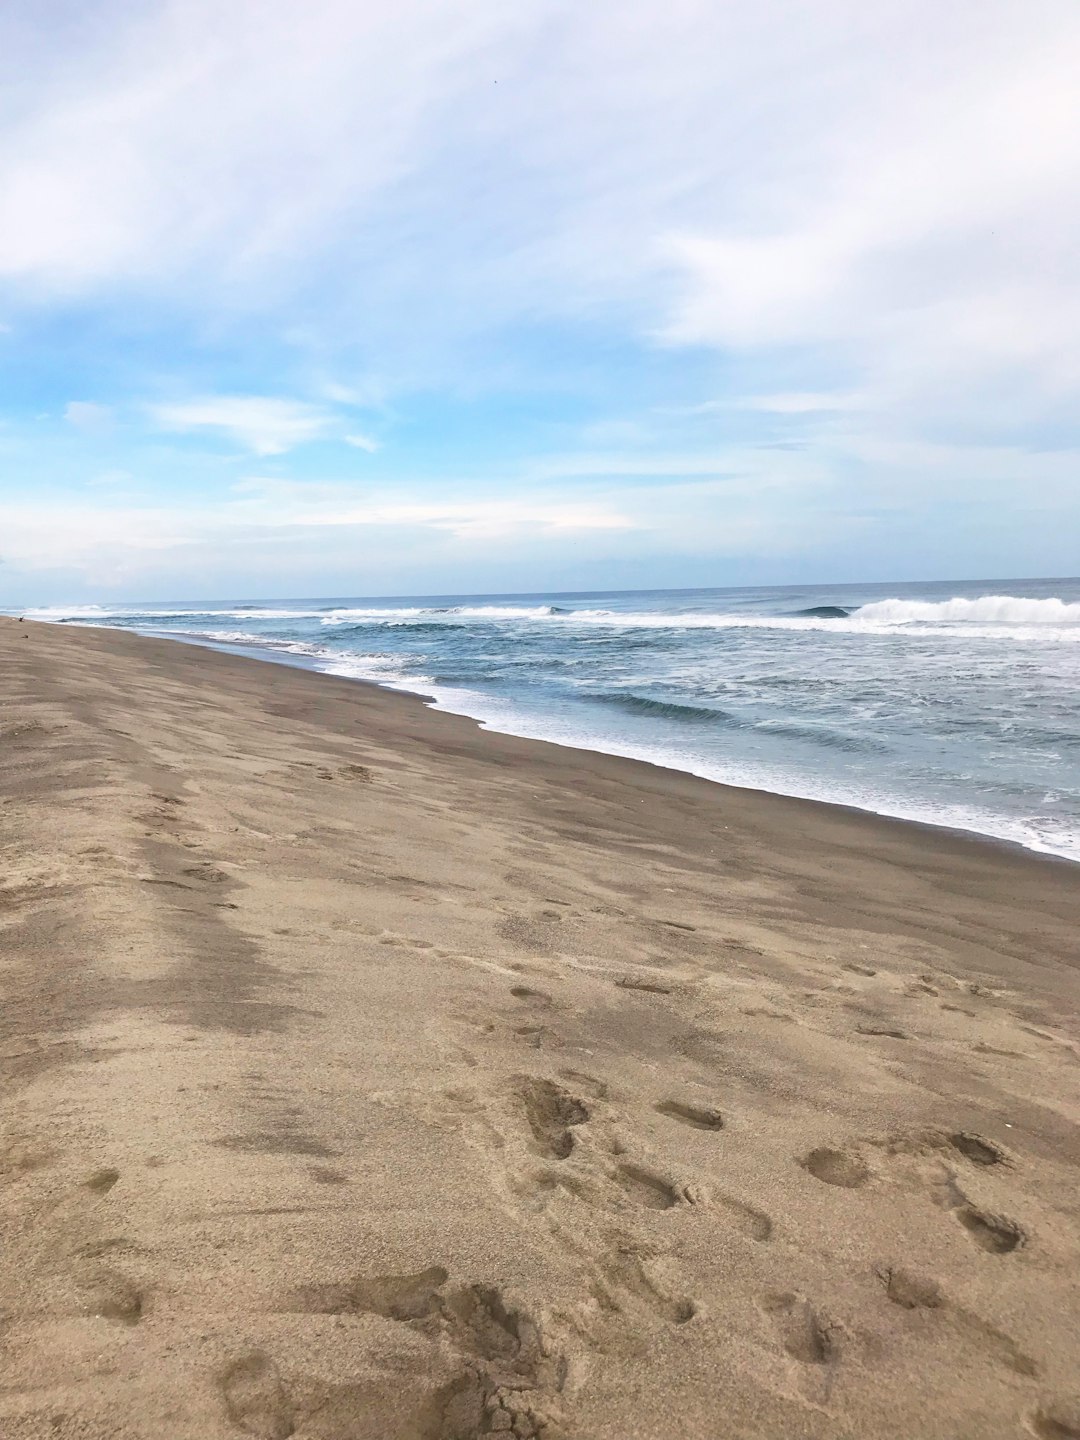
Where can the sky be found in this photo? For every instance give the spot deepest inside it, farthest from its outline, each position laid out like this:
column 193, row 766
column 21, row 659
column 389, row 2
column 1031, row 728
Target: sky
column 347, row 298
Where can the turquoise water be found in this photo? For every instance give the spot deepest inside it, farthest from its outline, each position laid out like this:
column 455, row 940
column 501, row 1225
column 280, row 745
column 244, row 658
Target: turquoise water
column 952, row 703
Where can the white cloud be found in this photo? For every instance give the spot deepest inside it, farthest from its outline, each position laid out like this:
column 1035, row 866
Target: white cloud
column 262, row 424
column 172, row 135
column 934, row 249
column 362, row 442
column 282, row 502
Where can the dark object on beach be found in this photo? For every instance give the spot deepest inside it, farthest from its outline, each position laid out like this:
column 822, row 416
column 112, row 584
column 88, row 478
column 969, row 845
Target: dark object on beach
column 824, row 612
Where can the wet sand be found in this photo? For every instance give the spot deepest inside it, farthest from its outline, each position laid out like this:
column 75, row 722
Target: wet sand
column 367, row 1076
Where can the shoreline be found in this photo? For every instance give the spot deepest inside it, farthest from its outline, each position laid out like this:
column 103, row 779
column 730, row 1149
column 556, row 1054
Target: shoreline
column 367, row 1075
column 272, row 654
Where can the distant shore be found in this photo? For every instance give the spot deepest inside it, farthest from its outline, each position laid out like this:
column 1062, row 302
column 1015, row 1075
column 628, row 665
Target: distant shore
column 369, row 1074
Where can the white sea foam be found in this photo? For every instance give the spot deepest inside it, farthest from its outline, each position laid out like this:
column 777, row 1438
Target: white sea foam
column 987, row 609
column 102, row 614
column 389, row 671
column 429, row 614
column 263, row 642
column 989, row 617
column 67, row 612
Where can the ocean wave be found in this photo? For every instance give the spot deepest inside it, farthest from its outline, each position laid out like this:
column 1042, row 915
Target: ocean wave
column 387, row 670
column 422, row 625
column 819, row 735
column 986, row 609
column 990, row 617
column 429, row 614
column 66, row 612
column 985, row 617
column 259, row 642
column 664, row 709
column 103, row 614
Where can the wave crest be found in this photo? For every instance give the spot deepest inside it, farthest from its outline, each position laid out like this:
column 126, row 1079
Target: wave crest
column 986, row 610
column 665, row 709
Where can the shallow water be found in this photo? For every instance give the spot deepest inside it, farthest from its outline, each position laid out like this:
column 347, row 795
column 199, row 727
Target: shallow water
column 953, row 703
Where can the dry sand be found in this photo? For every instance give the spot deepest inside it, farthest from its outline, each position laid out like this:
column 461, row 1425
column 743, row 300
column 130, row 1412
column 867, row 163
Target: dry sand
column 370, row 1077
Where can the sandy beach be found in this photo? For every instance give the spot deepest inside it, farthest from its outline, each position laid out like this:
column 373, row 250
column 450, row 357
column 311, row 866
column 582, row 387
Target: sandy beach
column 368, row 1076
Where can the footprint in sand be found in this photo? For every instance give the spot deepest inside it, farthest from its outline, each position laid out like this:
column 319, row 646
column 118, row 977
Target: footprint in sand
column 910, row 1292
column 978, row 1149
column 102, row 1181
column 753, row 1223
column 255, row 1398
column 994, row 1233
column 551, row 1111
column 535, row 997
column 114, row 1297
column 646, row 1187
column 837, row 1167
column 626, row 1271
column 510, row 1369
column 699, row 1117
column 803, row 1333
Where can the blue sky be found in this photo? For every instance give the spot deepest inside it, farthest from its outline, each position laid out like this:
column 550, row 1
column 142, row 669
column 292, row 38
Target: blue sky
column 440, row 296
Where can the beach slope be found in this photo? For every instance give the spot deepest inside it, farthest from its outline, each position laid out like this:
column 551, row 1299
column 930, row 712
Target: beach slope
column 367, row 1076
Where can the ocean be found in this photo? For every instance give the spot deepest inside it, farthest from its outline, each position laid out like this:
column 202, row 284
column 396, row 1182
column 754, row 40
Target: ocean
column 956, row 704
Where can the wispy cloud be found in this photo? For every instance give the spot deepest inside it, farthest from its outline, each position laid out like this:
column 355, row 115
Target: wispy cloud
column 261, row 424
column 362, row 442
column 281, row 502
column 934, row 253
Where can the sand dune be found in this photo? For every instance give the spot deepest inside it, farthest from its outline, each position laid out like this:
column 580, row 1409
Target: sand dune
column 369, row 1077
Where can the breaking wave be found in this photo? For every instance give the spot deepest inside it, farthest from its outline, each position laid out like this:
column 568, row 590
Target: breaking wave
column 427, row 614
column 986, row 610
